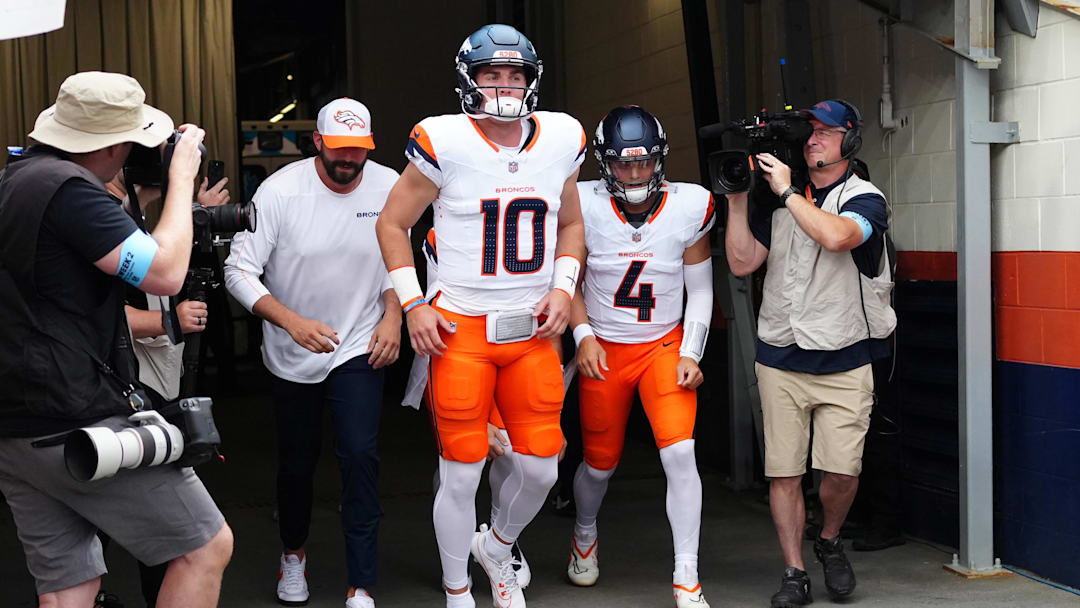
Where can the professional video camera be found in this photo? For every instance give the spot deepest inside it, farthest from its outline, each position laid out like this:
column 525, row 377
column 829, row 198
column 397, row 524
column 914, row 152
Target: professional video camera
column 181, row 432
column 735, row 169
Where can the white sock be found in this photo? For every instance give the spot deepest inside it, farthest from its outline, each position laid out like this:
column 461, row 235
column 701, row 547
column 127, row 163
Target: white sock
column 686, row 573
column 454, row 515
column 590, row 485
column 683, row 499
column 498, row 473
column 460, row 600
column 523, row 494
column 495, row 548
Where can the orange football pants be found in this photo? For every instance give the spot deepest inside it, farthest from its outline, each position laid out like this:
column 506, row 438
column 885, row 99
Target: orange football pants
column 605, row 405
column 472, row 375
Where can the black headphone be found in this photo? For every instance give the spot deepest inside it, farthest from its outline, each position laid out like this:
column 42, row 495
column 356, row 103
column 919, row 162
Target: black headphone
column 852, row 142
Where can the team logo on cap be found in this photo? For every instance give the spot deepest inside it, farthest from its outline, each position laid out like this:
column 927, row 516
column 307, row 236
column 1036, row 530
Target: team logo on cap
column 349, row 119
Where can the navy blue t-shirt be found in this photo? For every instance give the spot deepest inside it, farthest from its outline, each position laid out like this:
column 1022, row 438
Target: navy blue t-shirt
column 866, row 256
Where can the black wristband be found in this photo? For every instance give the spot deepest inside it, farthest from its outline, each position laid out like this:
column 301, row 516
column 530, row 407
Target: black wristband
column 786, row 193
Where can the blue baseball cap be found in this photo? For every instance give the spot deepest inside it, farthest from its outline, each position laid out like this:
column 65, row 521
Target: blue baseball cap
column 834, row 114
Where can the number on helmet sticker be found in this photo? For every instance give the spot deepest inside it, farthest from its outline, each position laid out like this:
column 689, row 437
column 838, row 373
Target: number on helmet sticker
column 644, row 302
column 511, row 262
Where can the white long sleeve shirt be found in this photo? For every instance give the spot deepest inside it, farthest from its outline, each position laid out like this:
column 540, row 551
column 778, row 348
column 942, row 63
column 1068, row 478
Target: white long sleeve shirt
column 316, row 253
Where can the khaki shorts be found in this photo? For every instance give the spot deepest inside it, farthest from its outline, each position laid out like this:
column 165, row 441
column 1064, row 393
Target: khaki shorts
column 838, row 404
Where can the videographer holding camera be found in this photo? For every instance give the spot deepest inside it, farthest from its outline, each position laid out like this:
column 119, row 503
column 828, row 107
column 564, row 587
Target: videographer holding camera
column 65, row 354
column 825, row 315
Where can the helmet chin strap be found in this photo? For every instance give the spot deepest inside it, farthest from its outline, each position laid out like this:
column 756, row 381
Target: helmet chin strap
column 637, row 219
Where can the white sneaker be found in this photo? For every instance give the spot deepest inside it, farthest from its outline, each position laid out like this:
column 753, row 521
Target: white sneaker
column 505, row 590
column 584, row 566
column 687, row 589
column 292, row 589
column 360, row 600
column 521, row 566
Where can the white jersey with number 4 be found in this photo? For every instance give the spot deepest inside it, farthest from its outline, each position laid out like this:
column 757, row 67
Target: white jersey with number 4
column 496, row 217
column 634, row 276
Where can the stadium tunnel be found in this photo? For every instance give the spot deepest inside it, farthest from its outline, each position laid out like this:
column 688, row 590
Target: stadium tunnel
column 970, row 131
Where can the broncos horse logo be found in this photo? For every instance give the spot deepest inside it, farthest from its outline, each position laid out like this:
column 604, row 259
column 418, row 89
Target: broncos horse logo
column 349, row 119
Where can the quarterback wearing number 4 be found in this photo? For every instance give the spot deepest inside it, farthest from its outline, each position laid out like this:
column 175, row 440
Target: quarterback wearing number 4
column 647, row 239
column 502, row 180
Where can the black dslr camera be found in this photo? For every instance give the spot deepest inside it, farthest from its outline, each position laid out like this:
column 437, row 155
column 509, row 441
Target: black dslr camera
column 147, row 167
column 735, row 169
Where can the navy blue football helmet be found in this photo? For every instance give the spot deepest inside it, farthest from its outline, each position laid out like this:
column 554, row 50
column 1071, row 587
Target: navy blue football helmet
column 629, row 133
column 497, row 44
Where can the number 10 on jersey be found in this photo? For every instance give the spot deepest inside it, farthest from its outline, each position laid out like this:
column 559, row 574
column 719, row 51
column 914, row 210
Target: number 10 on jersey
column 510, row 260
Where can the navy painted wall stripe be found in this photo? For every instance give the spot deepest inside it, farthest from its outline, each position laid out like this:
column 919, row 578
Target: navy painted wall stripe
column 1037, row 469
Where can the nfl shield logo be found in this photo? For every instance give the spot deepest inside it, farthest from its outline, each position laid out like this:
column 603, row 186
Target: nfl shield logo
column 512, row 167
column 636, row 237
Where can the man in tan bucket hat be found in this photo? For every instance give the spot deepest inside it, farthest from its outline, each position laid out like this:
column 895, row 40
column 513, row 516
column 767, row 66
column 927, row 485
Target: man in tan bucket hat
column 65, row 359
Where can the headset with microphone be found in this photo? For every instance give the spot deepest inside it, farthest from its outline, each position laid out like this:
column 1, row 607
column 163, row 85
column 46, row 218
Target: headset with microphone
column 852, row 141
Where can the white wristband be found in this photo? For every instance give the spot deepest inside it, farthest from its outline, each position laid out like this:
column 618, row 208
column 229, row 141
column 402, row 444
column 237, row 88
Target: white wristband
column 565, row 276
column 406, row 285
column 581, row 332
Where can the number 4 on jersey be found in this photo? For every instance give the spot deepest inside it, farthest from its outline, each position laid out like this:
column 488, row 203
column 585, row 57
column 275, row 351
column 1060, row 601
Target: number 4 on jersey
column 644, row 302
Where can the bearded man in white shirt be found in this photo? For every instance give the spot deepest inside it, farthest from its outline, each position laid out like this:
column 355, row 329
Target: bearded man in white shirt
column 331, row 322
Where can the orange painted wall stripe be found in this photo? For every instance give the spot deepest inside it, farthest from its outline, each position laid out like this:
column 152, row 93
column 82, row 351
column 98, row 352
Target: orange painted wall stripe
column 1037, row 307
column 926, row 265
column 1036, row 298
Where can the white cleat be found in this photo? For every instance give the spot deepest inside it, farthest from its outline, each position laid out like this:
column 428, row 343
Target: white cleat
column 505, row 589
column 689, row 596
column 687, row 588
column 521, row 566
column 584, row 566
column 292, row 588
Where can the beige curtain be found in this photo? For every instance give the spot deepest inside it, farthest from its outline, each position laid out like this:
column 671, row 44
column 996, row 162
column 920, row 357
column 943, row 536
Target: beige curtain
column 180, row 51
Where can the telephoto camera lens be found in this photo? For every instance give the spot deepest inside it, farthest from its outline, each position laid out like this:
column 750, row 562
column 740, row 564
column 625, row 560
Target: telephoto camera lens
column 97, row 452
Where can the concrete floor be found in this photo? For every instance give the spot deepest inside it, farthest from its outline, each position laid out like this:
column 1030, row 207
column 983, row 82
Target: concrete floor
column 740, row 559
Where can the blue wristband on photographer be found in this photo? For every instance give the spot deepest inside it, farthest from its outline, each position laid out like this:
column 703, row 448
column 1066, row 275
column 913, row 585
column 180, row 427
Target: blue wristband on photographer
column 867, row 228
column 136, row 254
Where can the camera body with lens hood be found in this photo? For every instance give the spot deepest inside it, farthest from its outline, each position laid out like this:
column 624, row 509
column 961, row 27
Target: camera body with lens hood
column 734, row 169
column 182, row 432
column 150, row 167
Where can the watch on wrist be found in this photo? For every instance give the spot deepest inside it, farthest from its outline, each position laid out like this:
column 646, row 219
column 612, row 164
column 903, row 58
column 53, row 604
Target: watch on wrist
column 786, row 193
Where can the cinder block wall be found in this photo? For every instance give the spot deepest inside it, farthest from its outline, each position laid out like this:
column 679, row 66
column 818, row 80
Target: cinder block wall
column 915, row 164
column 619, row 52
column 1037, row 181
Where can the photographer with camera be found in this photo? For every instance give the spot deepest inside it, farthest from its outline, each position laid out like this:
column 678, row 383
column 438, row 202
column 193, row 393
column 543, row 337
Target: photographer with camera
column 65, row 355
column 825, row 315
column 332, row 323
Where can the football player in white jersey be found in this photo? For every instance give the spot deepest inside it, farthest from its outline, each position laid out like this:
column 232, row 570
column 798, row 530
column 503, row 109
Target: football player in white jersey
column 502, row 179
column 647, row 240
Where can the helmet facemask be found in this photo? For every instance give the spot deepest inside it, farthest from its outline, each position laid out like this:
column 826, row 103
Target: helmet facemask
column 482, row 101
column 638, row 191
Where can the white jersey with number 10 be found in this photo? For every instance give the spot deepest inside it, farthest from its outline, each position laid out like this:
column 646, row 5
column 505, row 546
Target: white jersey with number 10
column 496, row 217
